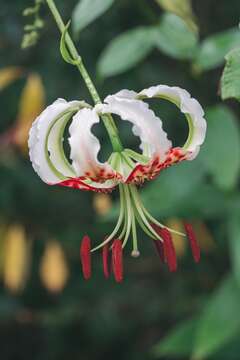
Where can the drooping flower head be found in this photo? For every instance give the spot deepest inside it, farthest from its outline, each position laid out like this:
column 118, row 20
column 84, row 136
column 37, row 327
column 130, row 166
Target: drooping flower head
column 125, row 168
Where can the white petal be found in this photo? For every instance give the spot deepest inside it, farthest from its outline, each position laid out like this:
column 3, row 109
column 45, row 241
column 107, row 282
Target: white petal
column 85, row 146
column 39, row 132
column 125, row 94
column 146, row 124
column 188, row 106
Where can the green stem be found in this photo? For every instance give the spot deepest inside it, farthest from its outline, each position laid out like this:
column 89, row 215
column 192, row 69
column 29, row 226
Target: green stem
column 107, row 119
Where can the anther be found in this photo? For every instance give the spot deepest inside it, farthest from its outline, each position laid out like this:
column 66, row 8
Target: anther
column 117, row 263
column 193, row 242
column 85, row 255
column 160, row 250
column 105, row 258
column 169, row 251
column 158, row 243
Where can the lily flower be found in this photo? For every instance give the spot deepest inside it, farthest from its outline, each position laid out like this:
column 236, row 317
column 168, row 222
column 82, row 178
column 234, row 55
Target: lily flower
column 126, row 168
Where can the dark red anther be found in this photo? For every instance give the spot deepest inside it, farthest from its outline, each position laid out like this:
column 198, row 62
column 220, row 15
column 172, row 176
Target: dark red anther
column 169, row 250
column 160, row 249
column 159, row 244
column 85, row 255
column 117, row 263
column 193, row 242
column 105, row 258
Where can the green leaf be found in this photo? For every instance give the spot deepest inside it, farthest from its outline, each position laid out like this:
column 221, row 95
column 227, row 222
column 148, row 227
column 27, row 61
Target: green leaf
column 234, row 242
column 213, row 49
column 219, row 322
column 64, row 50
column 179, row 342
column 181, row 8
column 220, row 152
column 174, row 38
column 125, row 51
column 230, row 82
column 166, row 196
column 86, row 11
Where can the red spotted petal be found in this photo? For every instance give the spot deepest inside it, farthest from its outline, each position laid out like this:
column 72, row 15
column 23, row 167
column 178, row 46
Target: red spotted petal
column 79, row 183
column 148, row 172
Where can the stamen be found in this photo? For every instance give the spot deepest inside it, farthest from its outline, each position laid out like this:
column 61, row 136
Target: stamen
column 118, row 225
column 128, row 215
column 117, row 263
column 105, row 258
column 169, row 251
column 160, row 249
column 193, row 242
column 85, row 255
column 159, row 244
column 140, row 214
column 148, row 215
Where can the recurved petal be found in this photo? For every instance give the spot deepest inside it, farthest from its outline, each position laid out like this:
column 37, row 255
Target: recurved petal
column 192, row 110
column 146, row 125
column 88, row 185
column 42, row 141
column 85, row 148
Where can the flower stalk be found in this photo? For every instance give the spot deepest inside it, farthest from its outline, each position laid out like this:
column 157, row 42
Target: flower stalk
column 107, row 118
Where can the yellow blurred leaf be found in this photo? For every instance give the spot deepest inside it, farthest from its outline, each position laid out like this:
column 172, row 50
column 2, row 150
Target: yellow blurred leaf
column 102, row 203
column 178, row 241
column 181, row 8
column 53, row 268
column 204, row 236
column 8, row 75
column 16, row 259
column 31, row 104
column 3, row 229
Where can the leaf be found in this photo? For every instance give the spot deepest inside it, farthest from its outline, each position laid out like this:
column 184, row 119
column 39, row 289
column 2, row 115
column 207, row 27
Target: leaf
column 213, row 49
column 167, row 194
column 8, row 75
column 64, row 49
column 234, row 243
column 86, row 11
column 173, row 37
column 230, row 82
column 220, row 153
column 179, row 342
column 16, row 259
column 102, row 203
column 181, row 8
column 125, row 51
column 32, row 102
column 53, row 268
column 219, row 322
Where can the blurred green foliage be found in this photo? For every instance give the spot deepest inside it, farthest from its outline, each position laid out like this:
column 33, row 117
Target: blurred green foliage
column 153, row 314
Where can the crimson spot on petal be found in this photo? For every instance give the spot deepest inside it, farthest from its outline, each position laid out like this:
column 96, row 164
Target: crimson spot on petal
column 193, row 242
column 85, row 255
